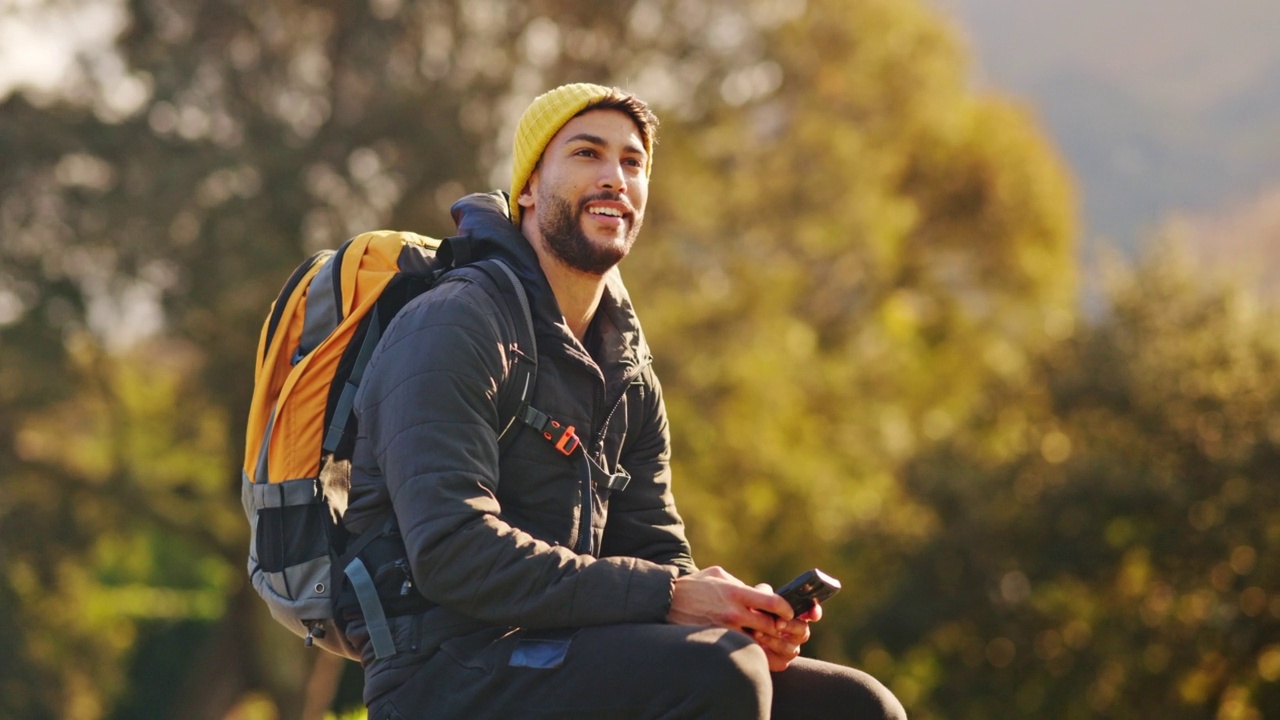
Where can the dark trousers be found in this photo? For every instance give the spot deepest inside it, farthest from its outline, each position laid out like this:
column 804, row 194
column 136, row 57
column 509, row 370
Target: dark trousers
column 627, row 671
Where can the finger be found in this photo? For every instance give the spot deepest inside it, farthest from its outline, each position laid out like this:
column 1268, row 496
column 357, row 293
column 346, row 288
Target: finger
column 779, row 647
column 797, row 631
column 764, row 601
column 813, row 614
column 766, row 588
column 768, row 601
column 762, row 623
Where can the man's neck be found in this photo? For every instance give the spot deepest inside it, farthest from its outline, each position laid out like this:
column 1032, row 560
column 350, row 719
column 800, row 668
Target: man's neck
column 577, row 293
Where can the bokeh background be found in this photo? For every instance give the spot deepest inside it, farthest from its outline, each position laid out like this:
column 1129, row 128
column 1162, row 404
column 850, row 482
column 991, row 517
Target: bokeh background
column 971, row 303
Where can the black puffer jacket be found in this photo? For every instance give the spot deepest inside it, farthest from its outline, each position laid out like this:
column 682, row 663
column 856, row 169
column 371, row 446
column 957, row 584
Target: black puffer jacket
column 491, row 539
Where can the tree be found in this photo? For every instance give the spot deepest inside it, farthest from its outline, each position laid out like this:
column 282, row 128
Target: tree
column 1107, row 526
column 911, row 228
column 255, row 135
column 859, row 245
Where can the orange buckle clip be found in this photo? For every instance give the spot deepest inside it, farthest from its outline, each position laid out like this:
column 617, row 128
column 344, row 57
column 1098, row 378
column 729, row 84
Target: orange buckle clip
column 568, row 441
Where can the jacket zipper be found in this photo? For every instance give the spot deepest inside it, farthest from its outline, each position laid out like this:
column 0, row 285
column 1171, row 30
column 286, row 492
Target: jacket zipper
column 627, row 380
column 586, row 532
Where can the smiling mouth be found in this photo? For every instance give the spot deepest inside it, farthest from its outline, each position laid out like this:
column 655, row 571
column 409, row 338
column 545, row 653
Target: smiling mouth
column 608, row 207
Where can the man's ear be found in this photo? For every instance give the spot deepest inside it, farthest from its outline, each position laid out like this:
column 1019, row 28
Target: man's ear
column 525, row 199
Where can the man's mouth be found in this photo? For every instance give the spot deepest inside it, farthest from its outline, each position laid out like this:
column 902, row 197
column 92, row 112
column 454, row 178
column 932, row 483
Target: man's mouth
column 608, row 209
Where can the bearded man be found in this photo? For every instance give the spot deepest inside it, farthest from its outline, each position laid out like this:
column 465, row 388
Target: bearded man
column 548, row 563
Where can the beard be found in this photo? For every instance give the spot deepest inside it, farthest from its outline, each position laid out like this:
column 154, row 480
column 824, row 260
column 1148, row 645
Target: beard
column 561, row 228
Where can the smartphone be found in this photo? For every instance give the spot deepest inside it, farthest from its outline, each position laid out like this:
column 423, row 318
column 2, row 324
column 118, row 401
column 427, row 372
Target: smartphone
column 812, row 586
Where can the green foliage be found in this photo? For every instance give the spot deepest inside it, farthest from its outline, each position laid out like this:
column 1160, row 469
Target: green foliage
column 856, row 275
column 116, row 518
column 858, row 253
column 1106, row 549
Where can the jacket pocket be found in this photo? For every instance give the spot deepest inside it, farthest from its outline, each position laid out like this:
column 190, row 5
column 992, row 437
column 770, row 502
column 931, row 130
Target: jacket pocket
column 479, row 651
column 543, row 649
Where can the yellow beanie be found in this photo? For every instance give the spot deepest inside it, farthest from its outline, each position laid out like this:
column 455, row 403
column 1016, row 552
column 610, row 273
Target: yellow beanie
column 540, row 122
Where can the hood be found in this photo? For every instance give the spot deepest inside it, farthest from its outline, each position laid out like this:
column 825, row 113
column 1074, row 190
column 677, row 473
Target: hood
column 485, row 230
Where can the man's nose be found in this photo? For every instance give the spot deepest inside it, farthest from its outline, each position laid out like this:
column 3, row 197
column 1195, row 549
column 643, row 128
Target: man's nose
column 613, row 177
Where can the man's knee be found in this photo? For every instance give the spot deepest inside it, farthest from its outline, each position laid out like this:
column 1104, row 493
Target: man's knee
column 813, row 688
column 880, row 702
column 732, row 669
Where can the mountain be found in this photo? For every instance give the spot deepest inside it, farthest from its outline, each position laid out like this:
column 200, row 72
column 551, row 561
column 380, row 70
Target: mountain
column 1160, row 107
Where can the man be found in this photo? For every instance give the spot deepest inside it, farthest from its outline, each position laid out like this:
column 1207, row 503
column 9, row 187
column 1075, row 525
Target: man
column 557, row 578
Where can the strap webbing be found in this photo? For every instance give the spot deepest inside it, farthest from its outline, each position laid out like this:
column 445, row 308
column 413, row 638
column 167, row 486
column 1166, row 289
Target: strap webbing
column 260, row 474
column 342, row 411
column 526, row 348
column 321, row 315
column 361, row 581
column 375, row 619
column 605, row 480
column 282, row 300
column 559, row 435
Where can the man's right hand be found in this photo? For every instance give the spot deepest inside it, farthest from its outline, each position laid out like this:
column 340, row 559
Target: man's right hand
column 714, row 597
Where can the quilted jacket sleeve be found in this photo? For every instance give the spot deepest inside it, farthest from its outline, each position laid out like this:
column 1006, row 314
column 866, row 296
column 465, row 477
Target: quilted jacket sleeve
column 427, row 413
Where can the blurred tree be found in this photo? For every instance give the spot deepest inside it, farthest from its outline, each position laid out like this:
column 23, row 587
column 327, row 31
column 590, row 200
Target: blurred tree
column 231, row 141
column 1110, row 527
column 50, row 520
column 859, row 244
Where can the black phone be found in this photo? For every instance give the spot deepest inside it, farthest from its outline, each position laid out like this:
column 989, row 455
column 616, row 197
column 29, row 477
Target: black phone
column 812, row 586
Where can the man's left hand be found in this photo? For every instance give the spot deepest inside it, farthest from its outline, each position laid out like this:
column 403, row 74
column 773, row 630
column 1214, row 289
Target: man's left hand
column 782, row 644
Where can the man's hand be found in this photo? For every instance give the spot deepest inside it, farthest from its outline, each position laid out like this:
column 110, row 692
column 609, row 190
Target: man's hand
column 783, row 644
column 714, row 597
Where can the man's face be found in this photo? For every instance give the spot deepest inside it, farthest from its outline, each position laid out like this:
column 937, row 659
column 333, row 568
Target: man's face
column 587, row 196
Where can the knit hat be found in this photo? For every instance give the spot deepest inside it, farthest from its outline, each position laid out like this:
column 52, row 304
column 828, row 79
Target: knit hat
column 540, row 122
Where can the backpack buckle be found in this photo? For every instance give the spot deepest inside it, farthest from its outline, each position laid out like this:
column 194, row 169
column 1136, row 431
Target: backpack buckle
column 568, row 441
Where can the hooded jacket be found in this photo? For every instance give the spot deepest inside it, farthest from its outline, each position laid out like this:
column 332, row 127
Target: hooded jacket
column 500, row 539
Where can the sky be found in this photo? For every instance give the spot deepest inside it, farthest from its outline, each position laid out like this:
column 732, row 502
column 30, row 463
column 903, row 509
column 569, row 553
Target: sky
column 1185, row 52
column 38, row 47
column 1164, row 110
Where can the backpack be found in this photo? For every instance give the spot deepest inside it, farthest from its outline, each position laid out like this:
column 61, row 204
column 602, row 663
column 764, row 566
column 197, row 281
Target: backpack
column 315, row 343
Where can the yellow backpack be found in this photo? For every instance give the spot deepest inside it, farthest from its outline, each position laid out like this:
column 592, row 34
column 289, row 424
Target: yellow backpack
column 312, row 352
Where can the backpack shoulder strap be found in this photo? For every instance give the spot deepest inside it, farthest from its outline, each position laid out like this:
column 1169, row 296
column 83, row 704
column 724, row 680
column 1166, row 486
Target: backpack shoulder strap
column 525, row 369
column 513, row 398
